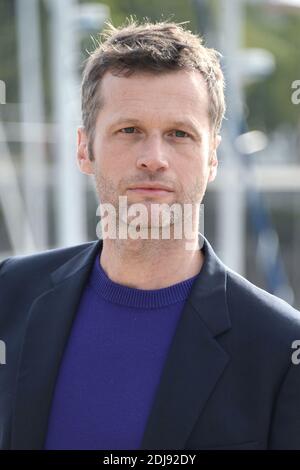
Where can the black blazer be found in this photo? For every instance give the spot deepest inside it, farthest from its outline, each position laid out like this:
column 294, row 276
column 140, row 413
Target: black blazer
column 228, row 381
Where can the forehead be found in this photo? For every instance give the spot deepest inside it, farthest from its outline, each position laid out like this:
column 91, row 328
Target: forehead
column 182, row 92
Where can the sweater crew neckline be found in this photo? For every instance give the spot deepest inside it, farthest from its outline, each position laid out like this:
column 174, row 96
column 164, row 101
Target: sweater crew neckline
column 133, row 297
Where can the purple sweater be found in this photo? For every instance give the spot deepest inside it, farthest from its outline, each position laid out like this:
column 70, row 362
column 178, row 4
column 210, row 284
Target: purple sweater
column 112, row 364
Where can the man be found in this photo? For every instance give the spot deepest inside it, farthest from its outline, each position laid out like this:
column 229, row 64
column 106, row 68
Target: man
column 140, row 342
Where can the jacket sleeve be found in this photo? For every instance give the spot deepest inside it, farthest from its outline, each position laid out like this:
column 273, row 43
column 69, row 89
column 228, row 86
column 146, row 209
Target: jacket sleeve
column 285, row 427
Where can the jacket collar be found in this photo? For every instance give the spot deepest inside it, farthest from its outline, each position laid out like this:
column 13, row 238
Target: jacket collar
column 193, row 366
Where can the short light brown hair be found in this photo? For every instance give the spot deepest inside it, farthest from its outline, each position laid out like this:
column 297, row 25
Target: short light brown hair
column 149, row 47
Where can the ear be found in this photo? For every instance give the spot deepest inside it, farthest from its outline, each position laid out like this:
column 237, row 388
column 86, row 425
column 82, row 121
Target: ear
column 84, row 163
column 213, row 165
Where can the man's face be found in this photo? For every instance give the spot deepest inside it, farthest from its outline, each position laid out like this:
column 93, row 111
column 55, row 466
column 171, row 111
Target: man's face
column 152, row 129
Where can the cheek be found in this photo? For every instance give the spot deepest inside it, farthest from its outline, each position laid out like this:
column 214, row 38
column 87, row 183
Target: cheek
column 193, row 162
column 203, row 157
column 111, row 164
column 111, row 153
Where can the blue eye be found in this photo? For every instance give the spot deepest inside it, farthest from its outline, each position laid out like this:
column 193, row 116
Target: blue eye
column 128, row 130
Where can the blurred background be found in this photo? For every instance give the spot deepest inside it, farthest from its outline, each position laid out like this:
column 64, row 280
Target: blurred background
column 252, row 210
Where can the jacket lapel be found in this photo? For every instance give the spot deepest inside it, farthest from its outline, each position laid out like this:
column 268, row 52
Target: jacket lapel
column 195, row 360
column 48, row 328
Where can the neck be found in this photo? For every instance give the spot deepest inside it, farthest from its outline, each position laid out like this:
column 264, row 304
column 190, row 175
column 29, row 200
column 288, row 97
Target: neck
column 150, row 264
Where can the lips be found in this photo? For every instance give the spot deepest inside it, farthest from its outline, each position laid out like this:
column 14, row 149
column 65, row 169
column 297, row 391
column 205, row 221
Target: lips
column 150, row 191
column 151, row 187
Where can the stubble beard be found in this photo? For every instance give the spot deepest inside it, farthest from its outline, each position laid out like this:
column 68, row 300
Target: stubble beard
column 108, row 193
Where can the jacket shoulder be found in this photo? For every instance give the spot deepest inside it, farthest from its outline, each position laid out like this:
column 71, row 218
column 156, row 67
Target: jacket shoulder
column 39, row 263
column 261, row 313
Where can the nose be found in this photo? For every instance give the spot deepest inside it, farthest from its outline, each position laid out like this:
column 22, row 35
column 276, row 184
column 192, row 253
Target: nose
column 152, row 155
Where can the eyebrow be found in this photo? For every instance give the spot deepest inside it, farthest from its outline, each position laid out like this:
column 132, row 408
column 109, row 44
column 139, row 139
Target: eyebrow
column 188, row 124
